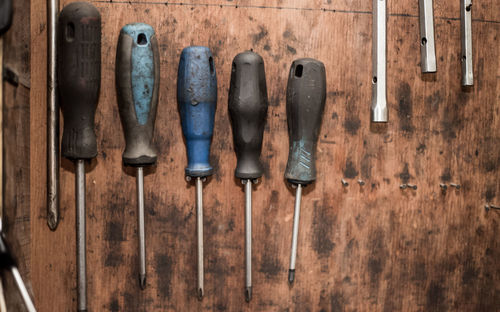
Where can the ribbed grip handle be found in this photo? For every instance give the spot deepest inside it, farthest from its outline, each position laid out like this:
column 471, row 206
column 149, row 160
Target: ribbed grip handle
column 247, row 106
column 305, row 103
column 79, row 77
column 197, row 101
column 137, row 83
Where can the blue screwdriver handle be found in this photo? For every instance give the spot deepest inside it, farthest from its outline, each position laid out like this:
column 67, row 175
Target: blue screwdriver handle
column 197, row 101
column 137, row 84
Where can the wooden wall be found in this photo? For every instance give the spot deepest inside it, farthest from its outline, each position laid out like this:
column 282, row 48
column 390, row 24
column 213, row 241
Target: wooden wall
column 366, row 248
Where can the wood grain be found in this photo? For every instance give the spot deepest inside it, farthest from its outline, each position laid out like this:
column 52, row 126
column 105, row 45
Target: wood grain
column 367, row 248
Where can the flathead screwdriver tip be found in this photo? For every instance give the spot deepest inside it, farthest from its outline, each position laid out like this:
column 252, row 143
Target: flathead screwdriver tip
column 200, row 293
column 248, row 293
column 142, row 281
column 291, row 276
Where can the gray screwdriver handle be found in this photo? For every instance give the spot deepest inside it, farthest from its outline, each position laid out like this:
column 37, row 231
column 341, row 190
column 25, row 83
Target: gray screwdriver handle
column 305, row 103
column 137, row 83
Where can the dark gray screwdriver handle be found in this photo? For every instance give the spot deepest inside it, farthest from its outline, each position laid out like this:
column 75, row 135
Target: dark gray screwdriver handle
column 137, row 84
column 305, row 103
column 79, row 77
column 247, row 106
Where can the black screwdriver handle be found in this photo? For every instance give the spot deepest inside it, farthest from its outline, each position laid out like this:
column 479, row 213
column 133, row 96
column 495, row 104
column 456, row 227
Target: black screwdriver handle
column 247, row 106
column 79, row 77
column 5, row 15
column 137, row 83
column 305, row 103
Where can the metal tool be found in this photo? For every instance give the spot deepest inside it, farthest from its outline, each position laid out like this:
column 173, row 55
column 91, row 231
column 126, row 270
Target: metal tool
column 8, row 263
column 379, row 44
column 137, row 84
column 305, row 103
column 79, row 76
column 466, row 34
column 5, row 15
column 197, row 101
column 427, row 45
column 247, row 105
column 52, row 117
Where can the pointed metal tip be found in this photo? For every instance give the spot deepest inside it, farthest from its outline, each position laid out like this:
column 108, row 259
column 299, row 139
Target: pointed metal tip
column 248, row 293
column 142, row 281
column 200, row 293
column 52, row 221
column 291, row 276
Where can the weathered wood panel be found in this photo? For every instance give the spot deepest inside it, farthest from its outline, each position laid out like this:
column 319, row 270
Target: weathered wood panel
column 371, row 247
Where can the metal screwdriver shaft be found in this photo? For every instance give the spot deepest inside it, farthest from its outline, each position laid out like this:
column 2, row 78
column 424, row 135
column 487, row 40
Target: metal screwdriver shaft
column 295, row 234
column 81, row 258
column 137, row 76
column 197, row 101
column 379, row 111
column 140, row 224
column 247, row 106
column 248, row 240
column 199, row 233
column 305, row 103
column 79, row 72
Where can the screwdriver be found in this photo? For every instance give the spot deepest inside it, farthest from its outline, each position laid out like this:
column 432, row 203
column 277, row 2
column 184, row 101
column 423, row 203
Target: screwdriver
column 8, row 263
column 247, row 105
column 197, row 101
column 379, row 111
column 79, row 76
column 305, row 103
column 137, row 80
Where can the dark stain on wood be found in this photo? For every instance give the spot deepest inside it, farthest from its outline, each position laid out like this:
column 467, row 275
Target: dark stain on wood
column 405, row 174
column 405, row 108
column 446, row 175
column 352, row 124
column 378, row 255
column 256, row 38
column 114, row 232
column 490, row 192
column 164, row 270
column 421, row 148
column 322, row 226
column 436, row 297
column 350, row 171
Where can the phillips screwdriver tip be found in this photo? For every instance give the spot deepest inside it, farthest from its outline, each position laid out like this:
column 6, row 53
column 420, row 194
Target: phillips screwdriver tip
column 291, row 276
column 248, row 294
column 142, row 281
column 200, row 293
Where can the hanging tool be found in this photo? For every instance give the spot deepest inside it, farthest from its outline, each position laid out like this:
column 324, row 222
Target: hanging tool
column 379, row 45
column 52, row 117
column 197, row 101
column 8, row 263
column 427, row 46
column 305, row 103
column 5, row 15
column 137, row 82
column 79, row 76
column 466, row 34
column 247, row 105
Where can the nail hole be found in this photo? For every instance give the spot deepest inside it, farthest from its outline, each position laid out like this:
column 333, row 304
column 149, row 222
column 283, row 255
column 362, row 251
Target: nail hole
column 374, row 80
column 70, row 32
column 211, row 63
column 141, row 39
column 424, row 41
column 298, row 71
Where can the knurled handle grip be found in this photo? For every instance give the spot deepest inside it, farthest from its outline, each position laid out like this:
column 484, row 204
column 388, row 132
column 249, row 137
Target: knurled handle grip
column 137, row 83
column 79, row 77
column 305, row 103
column 197, row 101
column 247, row 105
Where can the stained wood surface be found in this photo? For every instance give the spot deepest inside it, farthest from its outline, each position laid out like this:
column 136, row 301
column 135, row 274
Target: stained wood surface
column 367, row 248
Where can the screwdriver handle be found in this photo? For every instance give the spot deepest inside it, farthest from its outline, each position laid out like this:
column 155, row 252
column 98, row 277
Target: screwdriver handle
column 197, row 101
column 79, row 77
column 5, row 15
column 305, row 103
column 137, row 84
column 247, row 105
